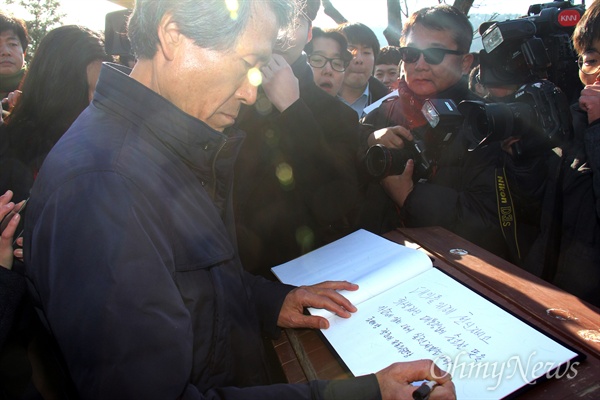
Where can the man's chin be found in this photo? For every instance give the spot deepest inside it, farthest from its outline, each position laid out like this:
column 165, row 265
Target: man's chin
column 423, row 89
column 8, row 70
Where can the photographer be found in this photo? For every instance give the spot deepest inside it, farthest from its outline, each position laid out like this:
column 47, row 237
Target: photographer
column 567, row 251
column 457, row 191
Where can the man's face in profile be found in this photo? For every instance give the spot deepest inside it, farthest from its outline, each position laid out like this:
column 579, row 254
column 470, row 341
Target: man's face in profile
column 12, row 54
column 426, row 79
column 211, row 85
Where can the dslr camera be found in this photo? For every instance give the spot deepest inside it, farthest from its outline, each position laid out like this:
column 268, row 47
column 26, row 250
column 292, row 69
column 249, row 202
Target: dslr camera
column 536, row 53
column 444, row 121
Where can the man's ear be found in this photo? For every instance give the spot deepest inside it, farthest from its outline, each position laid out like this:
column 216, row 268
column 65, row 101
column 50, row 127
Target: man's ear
column 169, row 37
column 309, row 33
column 467, row 61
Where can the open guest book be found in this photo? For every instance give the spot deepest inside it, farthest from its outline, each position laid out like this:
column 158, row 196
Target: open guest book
column 410, row 310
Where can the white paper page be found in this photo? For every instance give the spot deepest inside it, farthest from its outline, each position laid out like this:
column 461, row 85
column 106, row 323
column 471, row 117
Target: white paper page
column 371, row 261
column 489, row 352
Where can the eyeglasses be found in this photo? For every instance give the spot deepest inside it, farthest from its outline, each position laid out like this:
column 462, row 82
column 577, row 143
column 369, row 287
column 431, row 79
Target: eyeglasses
column 589, row 62
column 433, row 56
column 318, row 61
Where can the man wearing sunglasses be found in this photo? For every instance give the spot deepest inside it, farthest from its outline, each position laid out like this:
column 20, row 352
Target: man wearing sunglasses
column 459, row 192
column 296, row 185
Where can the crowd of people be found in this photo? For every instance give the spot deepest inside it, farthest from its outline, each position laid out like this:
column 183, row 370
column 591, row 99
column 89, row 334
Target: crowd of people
column 142, row 208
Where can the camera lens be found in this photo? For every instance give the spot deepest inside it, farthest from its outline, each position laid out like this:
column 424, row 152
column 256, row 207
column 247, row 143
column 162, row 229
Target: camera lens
column 378, row 160
column 381, row 161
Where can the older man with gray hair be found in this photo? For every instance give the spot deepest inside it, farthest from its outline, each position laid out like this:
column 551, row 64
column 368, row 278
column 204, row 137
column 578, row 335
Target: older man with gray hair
column 129, row 238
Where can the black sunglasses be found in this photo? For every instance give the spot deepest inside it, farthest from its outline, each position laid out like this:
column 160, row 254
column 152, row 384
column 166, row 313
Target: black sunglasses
column 432, row 56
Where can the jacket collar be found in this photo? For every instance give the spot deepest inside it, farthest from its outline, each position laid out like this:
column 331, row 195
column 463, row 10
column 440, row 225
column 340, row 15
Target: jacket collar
column 209, row 153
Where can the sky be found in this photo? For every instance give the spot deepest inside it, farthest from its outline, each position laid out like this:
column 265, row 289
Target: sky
column 372, row 13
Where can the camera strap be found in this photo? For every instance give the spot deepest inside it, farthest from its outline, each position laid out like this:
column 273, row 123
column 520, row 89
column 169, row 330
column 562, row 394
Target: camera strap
column 506, row 213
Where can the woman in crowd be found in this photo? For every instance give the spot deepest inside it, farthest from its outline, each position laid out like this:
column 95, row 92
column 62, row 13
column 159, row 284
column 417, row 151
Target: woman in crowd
column 58, row 86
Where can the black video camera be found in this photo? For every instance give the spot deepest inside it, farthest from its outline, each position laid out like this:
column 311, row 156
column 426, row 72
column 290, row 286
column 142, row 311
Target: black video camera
column 535, row 53
column 444, row 121
column 531, row 48
column 539, row 116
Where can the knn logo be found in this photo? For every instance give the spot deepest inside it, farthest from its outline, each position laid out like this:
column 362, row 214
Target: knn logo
column 568, row 18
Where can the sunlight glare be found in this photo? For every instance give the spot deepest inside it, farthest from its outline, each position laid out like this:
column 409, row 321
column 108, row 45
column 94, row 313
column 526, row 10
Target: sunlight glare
column 255, row 77
column 233, row 7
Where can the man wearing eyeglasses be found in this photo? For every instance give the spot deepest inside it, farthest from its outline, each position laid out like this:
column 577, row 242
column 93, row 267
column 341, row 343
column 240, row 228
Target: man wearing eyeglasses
column 296, row 184
column 328, row 57
column 458, row 192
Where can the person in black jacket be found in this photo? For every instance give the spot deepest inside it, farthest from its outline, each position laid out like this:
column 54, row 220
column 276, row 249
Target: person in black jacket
column 458, row 191
column 567, row 250
column 296, row 182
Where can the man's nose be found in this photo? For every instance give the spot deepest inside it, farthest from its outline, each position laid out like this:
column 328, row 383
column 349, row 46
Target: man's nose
column 246, row 93
column 420, row 63
column 356, row 56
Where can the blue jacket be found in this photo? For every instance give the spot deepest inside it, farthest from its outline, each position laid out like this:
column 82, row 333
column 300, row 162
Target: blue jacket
column 132, row 261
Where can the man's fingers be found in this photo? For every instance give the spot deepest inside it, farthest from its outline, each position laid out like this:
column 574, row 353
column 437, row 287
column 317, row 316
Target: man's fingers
column 11, row 227
column 328, row 299
column 409, row 169
column 337, row 285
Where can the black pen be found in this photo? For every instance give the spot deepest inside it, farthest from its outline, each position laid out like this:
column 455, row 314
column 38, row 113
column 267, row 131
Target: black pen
column 423, row 392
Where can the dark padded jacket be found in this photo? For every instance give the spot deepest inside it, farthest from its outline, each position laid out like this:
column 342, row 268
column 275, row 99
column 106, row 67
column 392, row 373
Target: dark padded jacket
column 130, row 251
column 460, row 196
column 315, row 141
column 567, row 250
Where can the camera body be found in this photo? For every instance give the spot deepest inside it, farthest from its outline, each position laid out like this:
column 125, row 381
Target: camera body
column 444, row 120
column 538, row 115
column 531, row 48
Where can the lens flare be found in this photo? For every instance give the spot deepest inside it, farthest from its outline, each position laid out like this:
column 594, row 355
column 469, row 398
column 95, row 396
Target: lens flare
column 255, row 76
column 285, row 175
column 233, row 7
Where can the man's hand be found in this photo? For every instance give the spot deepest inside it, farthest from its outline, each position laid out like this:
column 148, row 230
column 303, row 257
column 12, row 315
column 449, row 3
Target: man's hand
column 6, row 238
column 398, row 187
column 279, row 83
column 391, row 137
column 589, row 101
column 322, row 295
column 395, row 380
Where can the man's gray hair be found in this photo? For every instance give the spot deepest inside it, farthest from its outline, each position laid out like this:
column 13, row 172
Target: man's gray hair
column 208, row 22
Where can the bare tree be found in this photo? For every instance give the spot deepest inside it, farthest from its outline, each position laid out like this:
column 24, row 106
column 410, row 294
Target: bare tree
column 333, row 13
column 395, row 11
column 394, row 28
column 464, row 5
